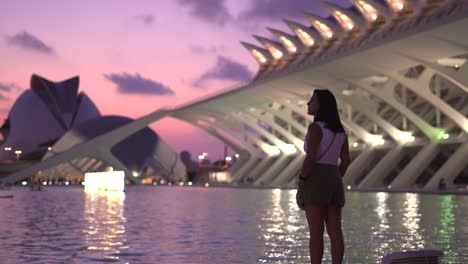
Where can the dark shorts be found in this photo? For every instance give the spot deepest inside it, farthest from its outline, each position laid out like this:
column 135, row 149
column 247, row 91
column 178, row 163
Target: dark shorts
column 324, row 186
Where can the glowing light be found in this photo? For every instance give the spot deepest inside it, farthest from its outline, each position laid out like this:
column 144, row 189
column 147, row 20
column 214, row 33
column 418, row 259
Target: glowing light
column 324, row 29
column 271, row 150
column 219, row 176
column 44, row 183
column 7, row 148
column 289, row 44
column 288, row 149
column 258, row 55
column 442, row 135
column 237, row 156
column 67, row 183
column 18, row 152
column 135, row 174
column 305, row 37
column 189, row 183
column 181, row 183
column 24, row 183
column 355, row 144
column 407, row 137
column 369, row 11
column 207, row 184
column 344, row 20
column 228, row 158
column 49, row 148
column 348, row 187
column 106, row 180
column 201, row 157
column 277, row 54
column 205, row 154
column 377, row 140
column 397, row 5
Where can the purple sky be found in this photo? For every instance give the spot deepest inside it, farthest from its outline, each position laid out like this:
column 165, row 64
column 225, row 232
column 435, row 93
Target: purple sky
column 134, row 57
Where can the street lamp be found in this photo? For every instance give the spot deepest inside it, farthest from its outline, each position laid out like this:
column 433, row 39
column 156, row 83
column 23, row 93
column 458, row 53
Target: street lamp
column 18, row 154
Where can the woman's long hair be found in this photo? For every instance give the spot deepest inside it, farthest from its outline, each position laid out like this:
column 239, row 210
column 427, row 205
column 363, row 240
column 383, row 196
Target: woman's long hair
column 328, row 111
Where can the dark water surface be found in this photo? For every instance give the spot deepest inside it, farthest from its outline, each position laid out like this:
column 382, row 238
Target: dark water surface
column 217, row 225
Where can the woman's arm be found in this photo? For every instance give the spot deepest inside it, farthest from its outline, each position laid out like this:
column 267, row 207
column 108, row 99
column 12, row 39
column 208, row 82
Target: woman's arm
column 344, row 157
column 314, row 136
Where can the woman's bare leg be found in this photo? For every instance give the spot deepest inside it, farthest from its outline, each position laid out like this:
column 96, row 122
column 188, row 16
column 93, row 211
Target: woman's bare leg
column 333, row 222
column 315, row 219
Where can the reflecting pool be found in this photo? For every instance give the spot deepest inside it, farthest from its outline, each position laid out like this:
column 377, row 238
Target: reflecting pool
column 217, row 225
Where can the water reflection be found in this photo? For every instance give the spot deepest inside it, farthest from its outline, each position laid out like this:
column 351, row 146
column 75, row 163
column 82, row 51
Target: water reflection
column 217, row 225
column 283, row 229
column 447, row 228
column 104, row 233
column 411, row 219
column 383, row 226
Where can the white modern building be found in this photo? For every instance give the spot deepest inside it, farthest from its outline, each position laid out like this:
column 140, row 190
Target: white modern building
column 50, row 118
column 398, row 70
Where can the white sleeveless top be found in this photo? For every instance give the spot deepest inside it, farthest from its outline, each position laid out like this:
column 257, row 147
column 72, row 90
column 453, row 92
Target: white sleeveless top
column 333, row 153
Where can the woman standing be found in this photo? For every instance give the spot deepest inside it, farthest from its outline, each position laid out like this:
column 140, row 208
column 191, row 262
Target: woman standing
column 320, row 177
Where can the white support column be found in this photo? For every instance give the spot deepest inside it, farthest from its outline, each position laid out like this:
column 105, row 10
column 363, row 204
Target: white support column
column 420, row 87
column 357, row 166
column 458, row 78
column 256, row 172
column 382, row 169
column 451, row 168
column 246, row 168
column 241, row 165
column 386, row 94
column 270, row 173
column 407, row 177
column 275, row 169
column 289, row 171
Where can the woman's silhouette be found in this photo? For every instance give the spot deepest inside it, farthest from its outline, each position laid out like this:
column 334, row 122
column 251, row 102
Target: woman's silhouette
column 320, row 176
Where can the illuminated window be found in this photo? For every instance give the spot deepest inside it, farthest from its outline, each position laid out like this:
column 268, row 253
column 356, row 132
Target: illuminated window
column 369, row 11
column 258, row 55
column 344, row 20
column 324, row 29
column 288, row 43
column 304, row 37
column 397, row 5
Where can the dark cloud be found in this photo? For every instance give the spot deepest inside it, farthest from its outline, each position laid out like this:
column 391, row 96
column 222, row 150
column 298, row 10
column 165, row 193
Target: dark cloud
column 146, row 19
column 28, row 41
column 7, row 88
column 225, row 69
column 135, row 84
column 276, row 10
column 4, row 87
column 196, row 49
column 211, row 11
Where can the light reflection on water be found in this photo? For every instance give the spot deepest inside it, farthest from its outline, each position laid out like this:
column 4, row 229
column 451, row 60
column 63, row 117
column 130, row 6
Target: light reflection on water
column 105, row 225
column 217, row 225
